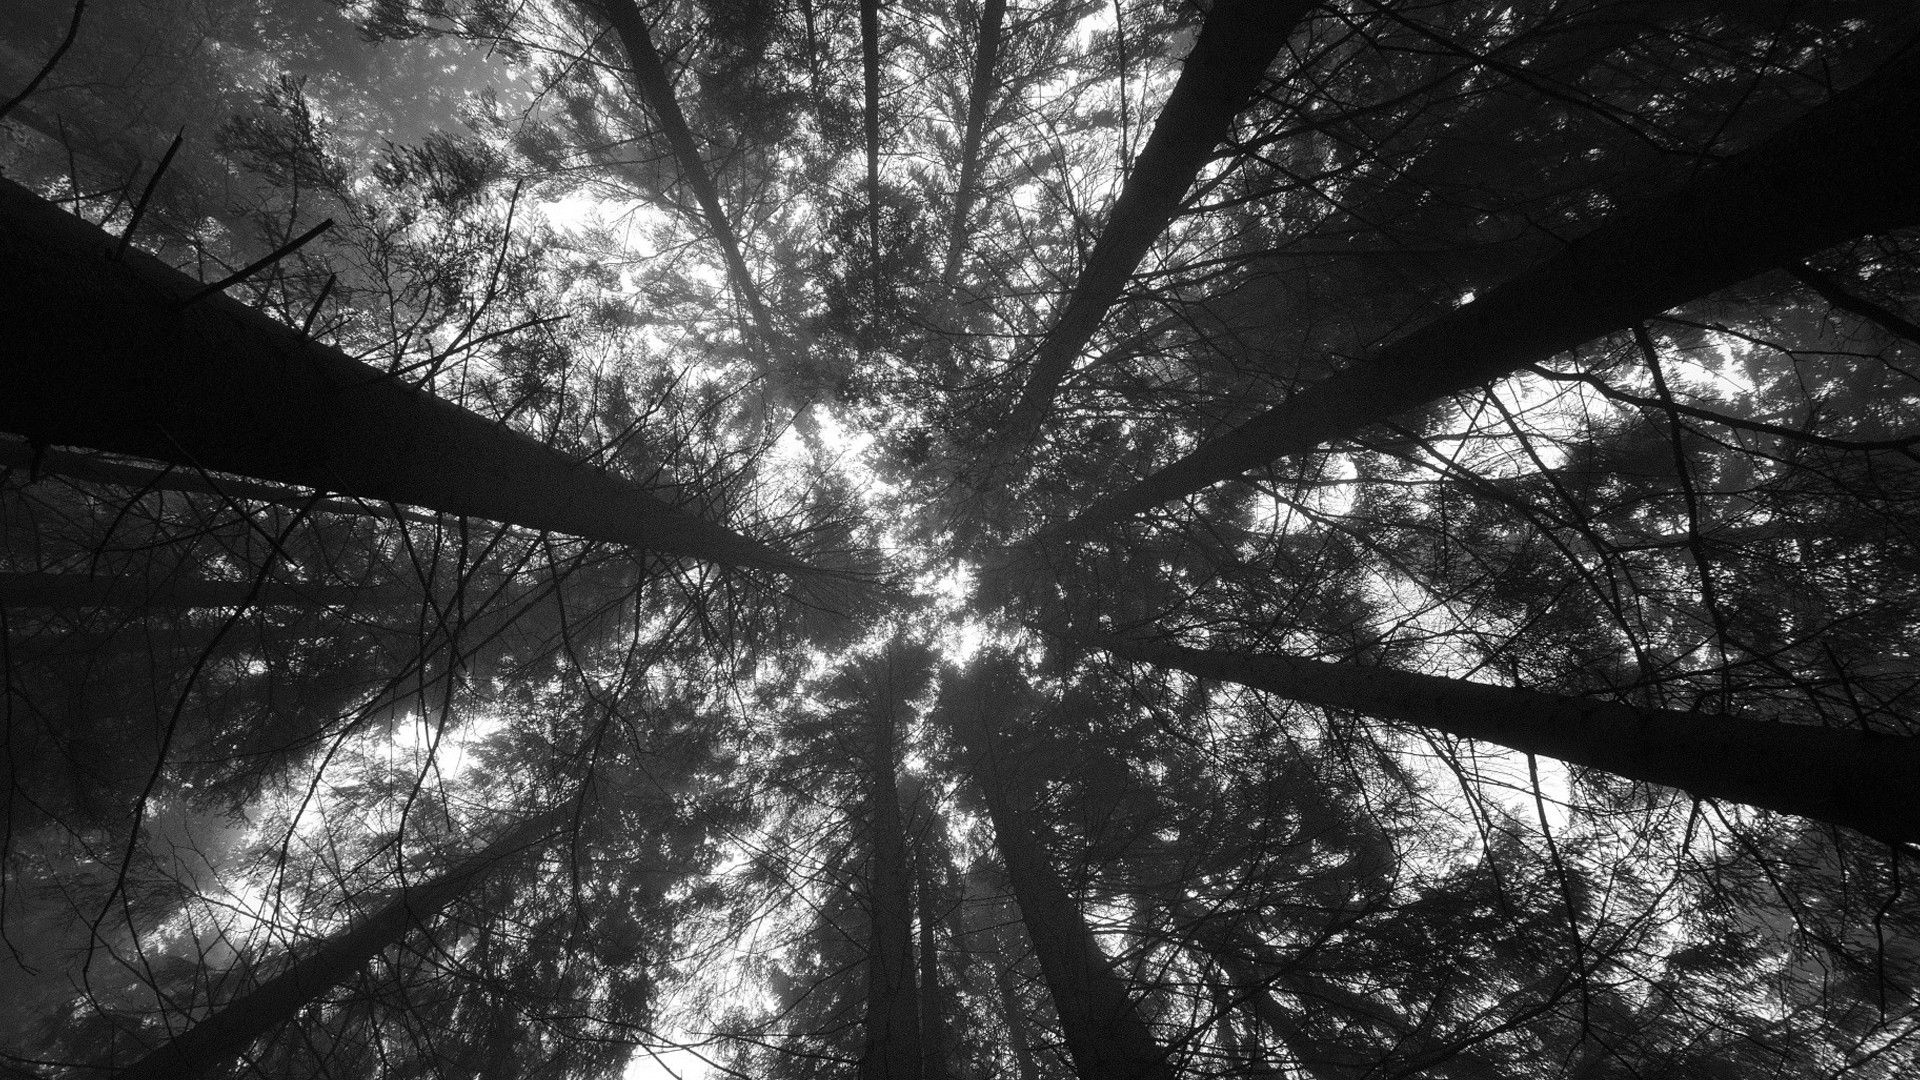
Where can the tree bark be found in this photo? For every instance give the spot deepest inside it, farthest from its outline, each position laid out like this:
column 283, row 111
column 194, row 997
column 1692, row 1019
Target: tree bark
column 1237, row 43
column 98, row 469
column 1858, row 779
column 1104, row 1033
column 106, row 354
column 933, row 1042
column 230, row 1030
column 1255, row 967
column 1844, row 170
column 656, row 89
column 980, row 89
column 1018, row 1036
column 893, row 1008
column 870, row 121
column 21, row 589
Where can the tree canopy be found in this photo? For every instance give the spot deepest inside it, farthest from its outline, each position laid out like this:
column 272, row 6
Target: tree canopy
column 1350, row 540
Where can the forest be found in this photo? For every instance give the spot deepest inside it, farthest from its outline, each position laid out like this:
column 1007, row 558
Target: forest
column 960, row 539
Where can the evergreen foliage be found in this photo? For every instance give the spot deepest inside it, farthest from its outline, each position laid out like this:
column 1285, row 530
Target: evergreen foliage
column 949, row 539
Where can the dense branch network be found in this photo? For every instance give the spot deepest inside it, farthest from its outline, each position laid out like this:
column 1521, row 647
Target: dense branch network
column 1403, row 570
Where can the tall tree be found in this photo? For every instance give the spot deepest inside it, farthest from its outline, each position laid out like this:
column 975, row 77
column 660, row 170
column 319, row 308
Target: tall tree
column 655, row 87
column 1236, row 45
column 228, row 388
column 229, row 1030
column 894, row 1038
column 1846, row 777
column 1104, row 1031
column 1648, row 507
column 1829, row 177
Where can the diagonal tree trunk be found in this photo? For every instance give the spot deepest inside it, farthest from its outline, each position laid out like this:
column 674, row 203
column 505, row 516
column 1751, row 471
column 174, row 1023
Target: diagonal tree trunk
column 226, row 1033
column 1844, row 170
column 99, row 469
column 1247, row 988
column 893, row 1008
column 25, row 589
column 979, row 96
column 656, row 89
column 109, row 355
column 1862, row 780
column 1237, row 43
column 1104, row 1033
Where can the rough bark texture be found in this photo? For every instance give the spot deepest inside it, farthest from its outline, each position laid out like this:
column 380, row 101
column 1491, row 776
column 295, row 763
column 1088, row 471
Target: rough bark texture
column 893, row 1006
column 1103, row 1031
column 226, row 1033
column 1237, row 43
column 1858, row 779
column 1844, row 170
column 104, row 354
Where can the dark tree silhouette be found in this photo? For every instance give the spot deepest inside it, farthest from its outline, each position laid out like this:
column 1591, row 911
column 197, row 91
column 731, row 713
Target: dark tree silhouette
column 1053, row 540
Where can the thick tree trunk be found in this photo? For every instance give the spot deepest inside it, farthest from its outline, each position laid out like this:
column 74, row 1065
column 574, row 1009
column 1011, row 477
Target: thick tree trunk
column 22, row 590
column 656, row 89
column 230, row 1030
column 933, row 1042
column 1844, row 170
column 98, row 469
column 1859, row 779
column 1019, row 1037
column 1237, row 43
column 893, row 1008
column 1103, row 1031
column 107, row 354
column 870, row 120
column 980, row 89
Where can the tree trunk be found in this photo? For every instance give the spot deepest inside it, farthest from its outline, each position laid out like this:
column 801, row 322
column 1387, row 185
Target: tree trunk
column 1237, row 44
column 1844, row 170
column 893, row 1008
column 107, row 354
column 979, row 95
column 656, row 89
column 933, row 1043
column 18, row 590
column 1254, row 967
column 870, row 121
column 1103, row 1031
column 1859, row 779
column 1020, row 1039
column 98, row 469
column 257, row 1013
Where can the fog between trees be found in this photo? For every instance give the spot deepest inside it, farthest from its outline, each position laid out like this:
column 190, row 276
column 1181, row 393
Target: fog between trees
column 598, row 537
